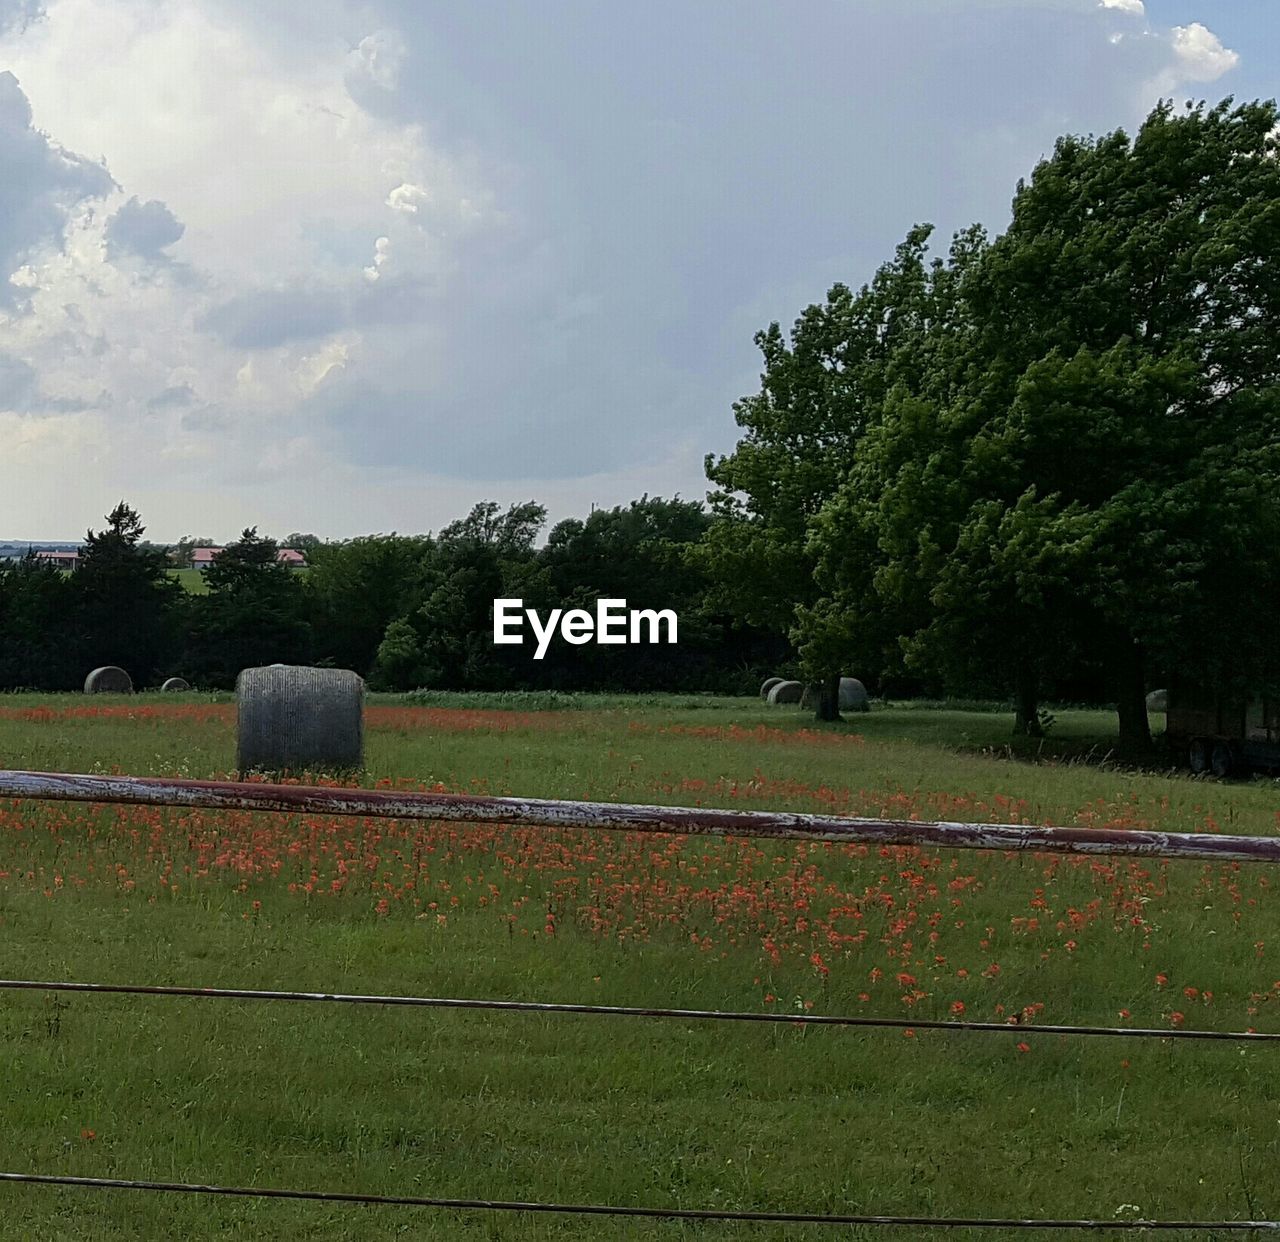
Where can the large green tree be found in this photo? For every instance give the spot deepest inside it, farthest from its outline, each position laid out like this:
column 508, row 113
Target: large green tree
column 821, row 390
column 1063, row 478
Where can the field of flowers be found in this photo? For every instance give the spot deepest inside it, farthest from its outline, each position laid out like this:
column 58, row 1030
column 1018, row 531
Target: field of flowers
column 621, row 1110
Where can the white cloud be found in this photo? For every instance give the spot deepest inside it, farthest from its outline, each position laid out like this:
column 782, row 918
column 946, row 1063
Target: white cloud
column 407, row 198
column 41, row 184
column 1201, row 54
column 377, row 60
column 251, row 152
column 1125, row 6
column 244, row 148
column 381, row 254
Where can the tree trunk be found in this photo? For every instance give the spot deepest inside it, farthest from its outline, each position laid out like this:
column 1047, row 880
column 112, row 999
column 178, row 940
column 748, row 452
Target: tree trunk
column 1131, row 700
column 828, row 704
column 1026, row 720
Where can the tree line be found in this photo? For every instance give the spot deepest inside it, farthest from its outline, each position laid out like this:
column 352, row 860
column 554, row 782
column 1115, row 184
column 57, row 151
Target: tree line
column 403, row 611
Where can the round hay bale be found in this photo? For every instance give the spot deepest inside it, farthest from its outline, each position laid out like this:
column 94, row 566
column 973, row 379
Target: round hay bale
column 767, row 685
column 172, row 684
column 853, row 695
column 1158, row 701
column 109, row 679
column 288, row 716
column 785, row 692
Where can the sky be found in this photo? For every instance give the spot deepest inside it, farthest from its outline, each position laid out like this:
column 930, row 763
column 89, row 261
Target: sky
column 347, row 268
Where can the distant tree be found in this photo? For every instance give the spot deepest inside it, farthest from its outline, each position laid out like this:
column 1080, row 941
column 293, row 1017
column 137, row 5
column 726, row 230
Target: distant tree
column 355, row 589
column 398, row 663
column 642, row 553
column 301, row 542
column 254, row 613
column 475, row 560
column 127, row 605
column 40, row 644
column 180, row 552
column 509, row 532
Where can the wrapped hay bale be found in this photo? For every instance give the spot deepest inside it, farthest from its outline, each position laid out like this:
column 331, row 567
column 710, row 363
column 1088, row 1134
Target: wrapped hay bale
column 768, row 685
column 1158, row 701
column 173, row 684
column 785, row 692
column 853, row 695
column 289, row 716
column 109, row 679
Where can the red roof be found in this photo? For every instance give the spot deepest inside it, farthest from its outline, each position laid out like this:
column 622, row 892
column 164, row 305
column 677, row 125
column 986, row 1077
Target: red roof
column 286, row 556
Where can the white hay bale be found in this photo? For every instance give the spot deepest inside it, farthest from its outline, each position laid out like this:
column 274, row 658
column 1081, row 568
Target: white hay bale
column 767, row 685
column 294, row 717
column 173, row 684
column 1158, row 701
column 109, row 679
column 853, row 695
column 785, row 692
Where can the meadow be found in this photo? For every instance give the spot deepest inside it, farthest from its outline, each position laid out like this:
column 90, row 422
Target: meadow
column 606, row 1109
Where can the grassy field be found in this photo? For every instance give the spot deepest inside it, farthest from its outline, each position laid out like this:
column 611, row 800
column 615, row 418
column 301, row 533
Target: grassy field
column 192, row 581
column 628, row 1111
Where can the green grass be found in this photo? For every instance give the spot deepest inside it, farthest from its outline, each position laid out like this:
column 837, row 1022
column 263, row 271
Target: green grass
column 192, row 580
column 613, row 1110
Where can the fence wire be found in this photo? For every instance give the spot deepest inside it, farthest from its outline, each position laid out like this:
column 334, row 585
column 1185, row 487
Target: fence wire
column 667, row 1213
column 634, row 1011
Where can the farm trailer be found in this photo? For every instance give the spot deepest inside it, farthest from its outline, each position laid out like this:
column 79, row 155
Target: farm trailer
column 1223, row 734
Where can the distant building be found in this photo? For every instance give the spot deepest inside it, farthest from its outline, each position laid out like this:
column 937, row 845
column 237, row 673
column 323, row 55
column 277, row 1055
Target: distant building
column 63, row 560
column 202, row 558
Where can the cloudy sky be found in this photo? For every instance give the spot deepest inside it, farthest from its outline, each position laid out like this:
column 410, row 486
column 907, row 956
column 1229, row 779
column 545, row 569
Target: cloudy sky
column 350, row 267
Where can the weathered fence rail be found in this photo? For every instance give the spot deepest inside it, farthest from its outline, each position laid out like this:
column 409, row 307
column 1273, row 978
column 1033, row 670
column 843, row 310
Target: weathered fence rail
column 630, row 817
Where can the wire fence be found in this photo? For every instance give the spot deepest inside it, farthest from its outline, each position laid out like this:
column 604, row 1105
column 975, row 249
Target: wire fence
column 685, row 821
column 1012, row 1025
column 656, row 1213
